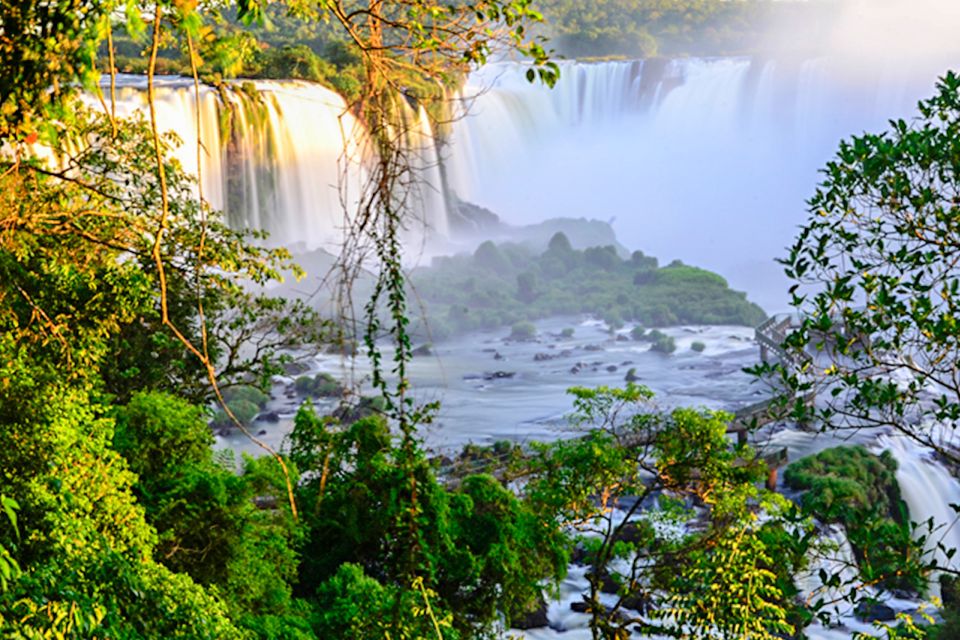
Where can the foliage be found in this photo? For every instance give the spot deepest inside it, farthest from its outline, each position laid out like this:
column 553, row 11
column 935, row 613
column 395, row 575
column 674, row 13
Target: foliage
column 155, row 430
column 523, row 331
column 645, row 28
column 203, row 512
column 504, row 284
column 874, row 283
column 877, row 297
column 322, row 385
column 698, row 346
column 853, row 487
column 248, row 393
column 85, row 547
column 651, row 560
column 480, row 550
column 34, row 76
column 357, row 606
column 661, row 342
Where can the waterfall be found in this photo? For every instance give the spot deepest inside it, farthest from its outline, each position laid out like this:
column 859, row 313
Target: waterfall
column 286, row 158
column 706, row 160
column 929, row 489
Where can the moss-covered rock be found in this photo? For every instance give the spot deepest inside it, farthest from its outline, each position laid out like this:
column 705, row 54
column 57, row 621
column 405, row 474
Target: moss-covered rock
column 853, row 487
column 322, row 385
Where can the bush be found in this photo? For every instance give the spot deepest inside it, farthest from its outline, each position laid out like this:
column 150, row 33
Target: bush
column 246, row 392
column 698, row 346
column 296, row 62
column 303, row 385
column 638, row 333
column 523, row 331
column 244, row 410
column 567, row 333
column 501, row 285
column 850, row 486
column 662, row 343
column 489, row 256
column 322, row 385
column 613, row 321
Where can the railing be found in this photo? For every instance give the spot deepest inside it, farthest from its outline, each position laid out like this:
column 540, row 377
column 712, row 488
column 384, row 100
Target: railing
column 771, row 335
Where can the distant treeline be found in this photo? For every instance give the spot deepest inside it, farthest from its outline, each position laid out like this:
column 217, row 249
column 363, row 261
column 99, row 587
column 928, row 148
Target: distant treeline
column 289, row 48
column 644, row 28
column 499, row 285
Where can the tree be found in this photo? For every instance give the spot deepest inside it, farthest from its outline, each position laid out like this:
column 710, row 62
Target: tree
column 876, row 282
column 662, row 575
column 478, row 549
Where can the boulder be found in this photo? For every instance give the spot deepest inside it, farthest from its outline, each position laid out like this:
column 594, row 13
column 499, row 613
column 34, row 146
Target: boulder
column 422, row 350
column 580, row 606
column 534, row 619
column 873, row 611
column 295, row 368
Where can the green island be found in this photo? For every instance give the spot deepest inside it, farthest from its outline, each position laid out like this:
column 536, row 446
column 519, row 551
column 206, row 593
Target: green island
column 504, row 284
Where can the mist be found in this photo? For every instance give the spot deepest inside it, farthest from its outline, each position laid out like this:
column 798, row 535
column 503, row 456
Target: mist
column 707, row 160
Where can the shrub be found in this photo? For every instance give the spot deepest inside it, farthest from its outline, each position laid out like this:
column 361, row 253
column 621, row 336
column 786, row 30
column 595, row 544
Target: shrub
column 322, row 385
column 613, row 320
column 523, row 331
column 698, row 346
column 638, row 333
column 662, row 343
column 246, row 392
column 559, row 243
column 244, row 410
column 489, row 256
column 567, row 333
column 859, row 490
column 296, row 62
column 528, row 286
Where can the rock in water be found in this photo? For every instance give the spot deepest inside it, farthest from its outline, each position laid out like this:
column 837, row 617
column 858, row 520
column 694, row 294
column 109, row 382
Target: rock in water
column 873, row 611
column 534, row 619
column 422, row 350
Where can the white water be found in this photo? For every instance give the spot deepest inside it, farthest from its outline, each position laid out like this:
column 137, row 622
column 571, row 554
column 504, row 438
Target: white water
column 929, row 490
